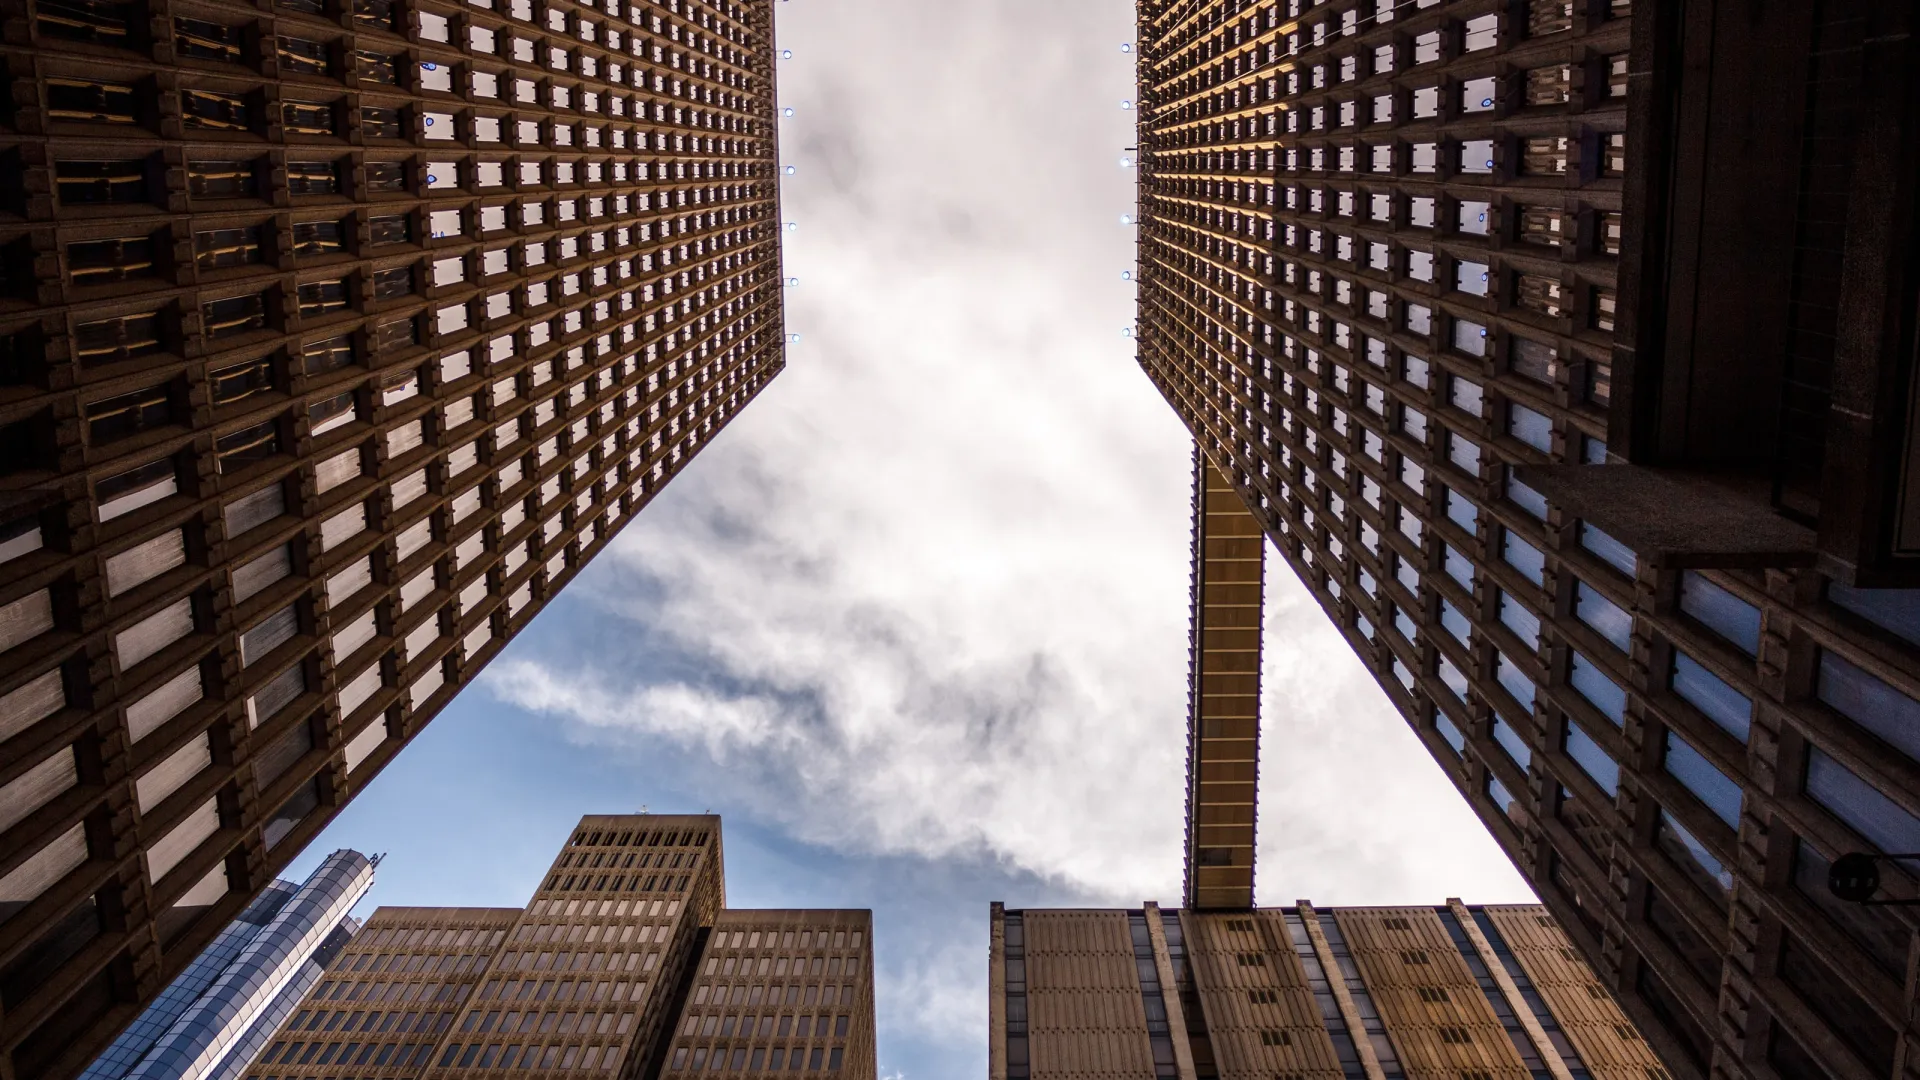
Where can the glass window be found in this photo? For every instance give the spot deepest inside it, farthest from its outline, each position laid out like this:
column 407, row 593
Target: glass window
column 1525, row 497
column 1863, row 807
column 1596, row 687
column 1877, row 930
column 1523, row 557
column 1870, row 703
column 1452, row 677
column 1593, row 759
column 1712, row 787
column 1721, row 611
column 1458, row 567
column 1606, row 618
column 1455, row 622
column 1450, row 733
column 1711, row 694
column 1530, row 427
column 1462, row 512
column 1515, row 616
column 1513, row 680
column 1896, row 611
column 1692, row 857
column 1610, row 551
column 1503, row 799
column 1511, row 741
column 1845, row 1011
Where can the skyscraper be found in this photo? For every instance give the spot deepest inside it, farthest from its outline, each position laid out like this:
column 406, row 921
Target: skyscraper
column 1564, row 349
column 212, row 1019
column 625, row 963
column 335, row 337
column 1377, row 993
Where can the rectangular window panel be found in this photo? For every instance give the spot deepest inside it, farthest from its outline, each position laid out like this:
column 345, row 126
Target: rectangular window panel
column 1720, row 611
column 31, row 702
column 37, row 787
column 1711, row 694
column 1687, row 853
column 173, row 772
column 1594, row 685
column 1512, row 742
column 143, row 562
column 1602, row 615
column 1593, row 759
column 1863, row 807
column 153, row 633
column 1608, row 550
column 1715, row 790
column 1871, row 703
column 42, row 870
column 166, row 853
column 164, row 703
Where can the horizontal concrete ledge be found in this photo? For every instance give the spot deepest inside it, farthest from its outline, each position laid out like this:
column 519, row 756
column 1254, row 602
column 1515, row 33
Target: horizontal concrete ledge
column 1678, row 518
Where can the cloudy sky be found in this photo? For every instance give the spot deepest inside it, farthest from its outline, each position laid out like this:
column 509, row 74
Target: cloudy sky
column 915, row 623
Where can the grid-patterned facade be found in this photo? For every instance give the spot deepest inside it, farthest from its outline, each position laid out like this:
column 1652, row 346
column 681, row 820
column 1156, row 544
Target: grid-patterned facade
column 624, row 964
column 1382, row 252
column 1490, row 993
column 388, row 1001
column 336, row 336
column 780, row 992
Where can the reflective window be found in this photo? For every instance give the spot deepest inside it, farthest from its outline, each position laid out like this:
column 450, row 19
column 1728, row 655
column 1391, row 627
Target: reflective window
column 1593, row 759
column 1597, row 688
column 1693, row 859
column 1711, row 694
column 1523, row 557
column 1512, row 742
column 1721, row 611
column 1604, row 616
column 1608, row 550
column 1870, row 703
column 1896, row 611
column 1515, row 616
column 1450, row 733
column 1513, row 680
column 1712, row 787
column 1861, row 805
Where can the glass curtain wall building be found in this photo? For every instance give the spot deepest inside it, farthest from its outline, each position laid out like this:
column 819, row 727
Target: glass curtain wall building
column 336, row 336
column 1585, row 416
column 213, row 1018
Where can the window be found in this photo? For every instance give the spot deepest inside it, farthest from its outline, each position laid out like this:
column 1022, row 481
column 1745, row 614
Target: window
column 1873, row 815
column 1592, row 759
column 1530, row 427
column 1850, row 1016
column 1523, row 557
column 1605, row 617
column 1712, row 787
column 1709, row 693
column 1516, row 617
column 1692, row 858
column 1599, row 689
column 1513, row 680
column 1503, row 799
column 1450, row 733
column 1512, row 742
column 1720, row 611
column 1610, row 551
column 1896, row 611
column 1699, row 954
column 1872, row 704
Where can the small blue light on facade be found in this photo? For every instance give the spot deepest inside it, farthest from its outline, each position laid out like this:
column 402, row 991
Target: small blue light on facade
column 430, row 66
column 1126, row 275
column 789, row 170
column 1126, row 46
column 1126, row 331
column 792, row 226
column 1125, row 105
column 1486, row 103
column 788, row 111
column 786, row 54
column 794, row 338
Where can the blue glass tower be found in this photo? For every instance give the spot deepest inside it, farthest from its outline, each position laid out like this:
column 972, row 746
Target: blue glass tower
column 211, row 1020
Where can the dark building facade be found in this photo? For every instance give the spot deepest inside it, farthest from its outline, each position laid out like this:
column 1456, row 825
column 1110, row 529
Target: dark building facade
column 335, row 337
column 625, row 964
column 1564, row 349
column 1376, row 993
